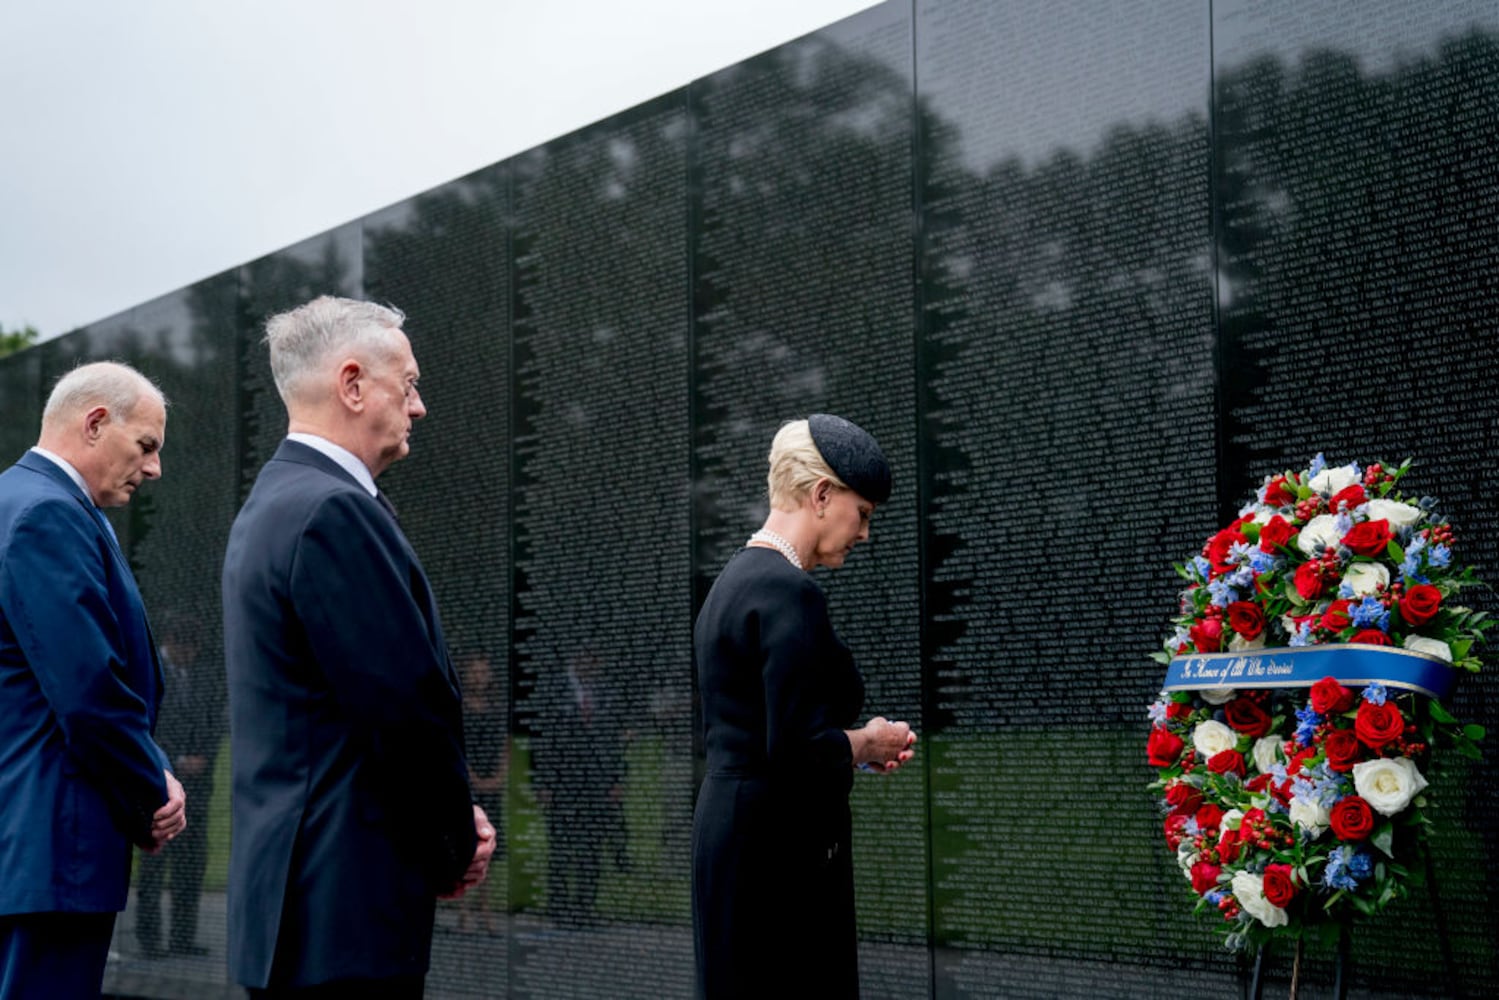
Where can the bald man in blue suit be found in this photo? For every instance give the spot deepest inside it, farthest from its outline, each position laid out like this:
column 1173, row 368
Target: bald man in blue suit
column 81, row 779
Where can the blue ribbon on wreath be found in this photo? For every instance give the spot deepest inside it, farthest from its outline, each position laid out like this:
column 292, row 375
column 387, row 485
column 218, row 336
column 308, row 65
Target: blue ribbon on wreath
column 1351, row 664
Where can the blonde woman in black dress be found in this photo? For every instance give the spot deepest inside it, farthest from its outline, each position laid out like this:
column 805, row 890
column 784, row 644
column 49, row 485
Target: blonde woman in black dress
column 773, row 894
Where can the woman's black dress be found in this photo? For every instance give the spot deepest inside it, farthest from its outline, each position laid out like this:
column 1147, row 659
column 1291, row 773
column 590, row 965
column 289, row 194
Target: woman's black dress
column 772, row 882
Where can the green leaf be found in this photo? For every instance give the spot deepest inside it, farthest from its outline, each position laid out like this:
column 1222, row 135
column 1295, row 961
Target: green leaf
column 1468, row 750
column 1384, row 839
column 1397, row 554
column 1440, row 714
column 1474, row 731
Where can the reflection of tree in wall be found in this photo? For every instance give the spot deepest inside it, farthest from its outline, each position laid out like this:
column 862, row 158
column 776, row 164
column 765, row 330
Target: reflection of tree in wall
column 802, row 267
column 441, row 260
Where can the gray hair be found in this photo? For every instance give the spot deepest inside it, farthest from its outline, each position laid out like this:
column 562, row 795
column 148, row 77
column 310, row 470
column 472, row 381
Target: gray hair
column 111, row 384
column 304, row 339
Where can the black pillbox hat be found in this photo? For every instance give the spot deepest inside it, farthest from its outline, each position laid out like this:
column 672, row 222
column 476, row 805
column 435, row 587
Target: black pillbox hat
column 852, row 453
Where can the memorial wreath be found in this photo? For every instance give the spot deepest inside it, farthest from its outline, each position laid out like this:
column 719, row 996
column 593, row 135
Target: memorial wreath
column 1317, row 636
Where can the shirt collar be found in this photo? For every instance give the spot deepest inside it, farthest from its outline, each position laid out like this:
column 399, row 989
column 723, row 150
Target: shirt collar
column 345, row 458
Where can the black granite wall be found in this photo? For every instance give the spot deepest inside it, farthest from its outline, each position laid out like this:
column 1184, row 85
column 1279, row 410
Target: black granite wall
column 1087, row 271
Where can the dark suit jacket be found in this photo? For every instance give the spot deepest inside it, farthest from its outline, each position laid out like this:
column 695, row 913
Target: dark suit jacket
column 351, row 805
column 80, row 776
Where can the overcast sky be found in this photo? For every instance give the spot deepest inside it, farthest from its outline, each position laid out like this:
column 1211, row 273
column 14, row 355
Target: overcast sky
column 149, row 144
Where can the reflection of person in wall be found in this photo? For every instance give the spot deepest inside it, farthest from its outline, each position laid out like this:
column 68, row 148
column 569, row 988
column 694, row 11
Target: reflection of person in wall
column 773, row 892
column 190, row 729
column 351, row 806
column 81, row 779
column 487, row 740
column 579, row 772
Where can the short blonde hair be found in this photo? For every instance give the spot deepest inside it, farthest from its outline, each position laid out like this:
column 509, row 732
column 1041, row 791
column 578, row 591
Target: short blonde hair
column 796, row 465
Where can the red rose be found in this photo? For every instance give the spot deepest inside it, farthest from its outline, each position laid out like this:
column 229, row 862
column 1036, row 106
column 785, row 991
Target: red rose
column 1258, row 782
column 1276, row 534
column 1308, row 581
column 1227, row 762
column 1278, row 492
column 1281, row 792
column 1209, row 816
column 1353, row 496
column 1228, row 845
column 1335, row 618
column 1371, row 637
column 1330, row 698
column 1295, row 760
column 1351, row 818
column 1369, row 538
column 1183, row 798
column 1178, row 710
column 1216, row 549
column 1280, row 888
column 1420, row 604
column 1378, row 725
column 1244, row 716
column 1342, row 750
column 1174, row 826
column 1163, row 747
column 1204, row 876
column 1207, row 635
column 1246, row 618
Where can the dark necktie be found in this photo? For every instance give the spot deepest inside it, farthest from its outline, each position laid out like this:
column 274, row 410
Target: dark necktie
column 389, row 507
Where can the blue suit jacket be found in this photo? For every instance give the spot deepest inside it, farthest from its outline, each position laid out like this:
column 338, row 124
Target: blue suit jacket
column 351, row 805
column 80, row 776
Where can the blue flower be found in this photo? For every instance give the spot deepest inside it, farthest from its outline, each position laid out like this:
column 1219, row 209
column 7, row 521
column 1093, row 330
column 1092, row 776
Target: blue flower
column 1307, row 721
column 1410, row 567
column 1441, row 556
column 1302, row 636
column 1243, row 577
column 1346, row 867
column 1344, row 524
column 1221, row 593
column 1213, row 896
column 1345, row 591
column 1158, row 713
column 1318, row 464
column 1375, row 694
column 1202, row 566
column 1263, row 562
column 1369, row 612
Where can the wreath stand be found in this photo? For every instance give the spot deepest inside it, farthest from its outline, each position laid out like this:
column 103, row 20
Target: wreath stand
column 1342, row 962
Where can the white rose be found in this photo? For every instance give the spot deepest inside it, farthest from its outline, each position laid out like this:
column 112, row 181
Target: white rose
column 1263, row 514
column 1238, row 643
column 1186, row 857
column 1249, row 890
column 1266, row 753
column 1431, row 647
column 1388, row 784
column 1321, row 530
column 1212, row 737
column 1366, row 578
column 1230, row 820
column 1216, row 696
column 1330, row 481
column 1309, row 815
column 1400, row 515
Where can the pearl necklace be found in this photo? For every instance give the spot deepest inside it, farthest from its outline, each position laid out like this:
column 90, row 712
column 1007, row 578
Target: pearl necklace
column 784, row 547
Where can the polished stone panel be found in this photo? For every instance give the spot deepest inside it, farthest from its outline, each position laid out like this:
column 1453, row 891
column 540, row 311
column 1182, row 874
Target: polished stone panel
column 1356, row 193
